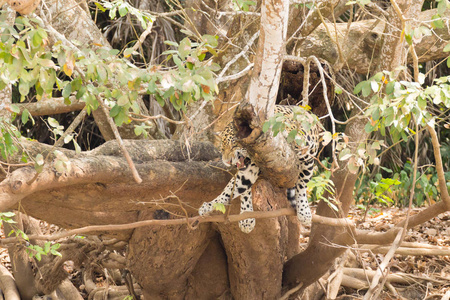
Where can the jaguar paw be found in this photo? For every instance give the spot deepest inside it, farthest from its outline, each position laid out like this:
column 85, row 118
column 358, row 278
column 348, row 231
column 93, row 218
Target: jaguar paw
column 205, row 209
column 305, row 218
column 247, row 225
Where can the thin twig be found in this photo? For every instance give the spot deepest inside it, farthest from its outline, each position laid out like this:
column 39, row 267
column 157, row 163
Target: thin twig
column 71, row 127
column 235, row 76
column 240, row 54
column 135, row 173
column 291, row 291
column 146, row 118
column 305, row 92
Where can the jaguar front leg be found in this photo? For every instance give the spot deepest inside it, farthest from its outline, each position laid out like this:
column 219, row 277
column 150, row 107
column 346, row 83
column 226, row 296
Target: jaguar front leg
column 240, row 185
column 247, row 225
column 223, row 198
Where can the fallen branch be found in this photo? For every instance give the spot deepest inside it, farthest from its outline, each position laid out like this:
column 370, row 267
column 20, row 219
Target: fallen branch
column 366, row 237
column 441, row 251
column 402, row 278
column 387, row 258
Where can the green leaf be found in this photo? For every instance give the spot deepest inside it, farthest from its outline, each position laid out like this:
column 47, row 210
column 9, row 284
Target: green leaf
column 184, row 48
column 123, row 10
column 121, row 117
column 408, row 38
column 212, row 40
column 24, row 116
column 441, row 7
column 170, row 43
column 102, row 74
column 177, row 61
column 437, row 22
column 366, row 89
column 291, row 136
column 376, row 114
column 52, row 122
column 127, row 52
column 56, row 253
column 447, row 48
column 200, row 79
column 219, row 207
column 47, row 247
column 123, row 100
column 422, row 102
column 99, row 6
column 160, row 100
column 67, row 91
column 114, row 111
column 369, row 127
column 358, row 87
column 24, row 87
column 15, row 108
column 390, row 87
column 36, row 40
column 39, row 163
column 266, row 126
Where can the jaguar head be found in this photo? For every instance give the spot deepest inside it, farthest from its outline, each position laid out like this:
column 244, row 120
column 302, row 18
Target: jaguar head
column 232, row 154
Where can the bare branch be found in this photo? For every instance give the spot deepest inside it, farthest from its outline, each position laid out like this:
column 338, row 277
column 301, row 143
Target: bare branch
column 49, row 106
column 192, row 222
column 439, row 167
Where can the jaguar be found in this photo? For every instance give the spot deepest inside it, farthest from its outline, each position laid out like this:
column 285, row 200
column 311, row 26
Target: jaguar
column 248, row 172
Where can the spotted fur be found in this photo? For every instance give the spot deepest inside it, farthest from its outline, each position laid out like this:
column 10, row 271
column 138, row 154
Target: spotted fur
column 241, row 184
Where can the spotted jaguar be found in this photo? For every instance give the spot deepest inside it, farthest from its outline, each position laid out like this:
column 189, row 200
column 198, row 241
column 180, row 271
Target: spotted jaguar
column 248, row 171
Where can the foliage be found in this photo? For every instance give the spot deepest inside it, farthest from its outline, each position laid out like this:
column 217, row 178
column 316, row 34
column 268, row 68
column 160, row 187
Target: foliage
column 37, row 251
column 243, row 5
column 124, row 8
column 396, row 189
column 278, row 123
column 95, row 73
column 320, row 183
column 32, row 250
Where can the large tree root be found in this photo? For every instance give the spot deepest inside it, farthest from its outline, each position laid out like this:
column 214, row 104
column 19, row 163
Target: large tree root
column 8, row 285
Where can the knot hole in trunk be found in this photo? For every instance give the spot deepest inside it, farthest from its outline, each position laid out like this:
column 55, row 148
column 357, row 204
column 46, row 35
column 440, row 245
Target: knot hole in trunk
column 243, row 120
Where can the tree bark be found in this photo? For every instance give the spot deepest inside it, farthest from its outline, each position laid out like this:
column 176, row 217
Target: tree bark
column 362, row 49
column 255, row 260
column 66, row 199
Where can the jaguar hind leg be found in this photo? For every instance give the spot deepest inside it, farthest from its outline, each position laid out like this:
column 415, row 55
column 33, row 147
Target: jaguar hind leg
column 302, row 206
column 290, row 193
